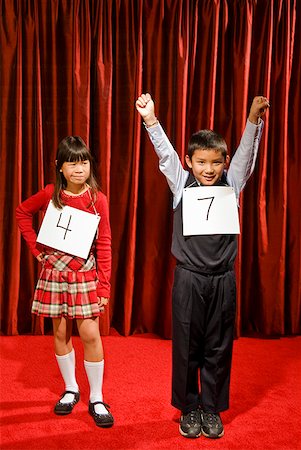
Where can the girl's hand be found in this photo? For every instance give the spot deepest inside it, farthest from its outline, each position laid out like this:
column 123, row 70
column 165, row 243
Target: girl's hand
column 40, row 257
column 146, row 108
column 102, row 302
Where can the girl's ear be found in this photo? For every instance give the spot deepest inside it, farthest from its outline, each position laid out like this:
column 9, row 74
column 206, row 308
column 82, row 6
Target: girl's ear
column 56, row 165
column 188, row 161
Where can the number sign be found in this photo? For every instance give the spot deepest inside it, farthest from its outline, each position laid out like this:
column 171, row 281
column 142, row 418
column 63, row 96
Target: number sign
column 210, row 210
column 69, row 230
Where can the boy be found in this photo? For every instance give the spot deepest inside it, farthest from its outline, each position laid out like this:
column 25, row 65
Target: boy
column 204, row 289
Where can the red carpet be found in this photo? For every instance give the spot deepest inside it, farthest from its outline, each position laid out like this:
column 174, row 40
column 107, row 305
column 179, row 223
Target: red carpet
column 264, row 412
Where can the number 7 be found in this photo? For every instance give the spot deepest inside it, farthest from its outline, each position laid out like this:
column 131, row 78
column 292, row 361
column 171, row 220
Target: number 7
column 207, row 198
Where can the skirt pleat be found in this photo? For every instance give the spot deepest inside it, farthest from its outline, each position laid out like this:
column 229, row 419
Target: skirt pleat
column 67, row 286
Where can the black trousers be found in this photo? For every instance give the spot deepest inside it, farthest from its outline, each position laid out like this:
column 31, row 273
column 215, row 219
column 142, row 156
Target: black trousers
column 203, row 318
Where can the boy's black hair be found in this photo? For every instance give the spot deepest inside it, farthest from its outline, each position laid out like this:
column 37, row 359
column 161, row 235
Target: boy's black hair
column 207, row 140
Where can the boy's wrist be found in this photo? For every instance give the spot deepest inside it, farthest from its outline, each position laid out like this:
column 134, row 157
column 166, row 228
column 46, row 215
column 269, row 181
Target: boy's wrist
column 253, row 118
column 149, row 121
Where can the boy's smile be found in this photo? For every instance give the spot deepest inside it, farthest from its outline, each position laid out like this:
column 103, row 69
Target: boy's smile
column 207, row 165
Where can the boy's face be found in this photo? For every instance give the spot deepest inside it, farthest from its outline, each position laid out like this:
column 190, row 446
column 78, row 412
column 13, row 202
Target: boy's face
column 207, row 165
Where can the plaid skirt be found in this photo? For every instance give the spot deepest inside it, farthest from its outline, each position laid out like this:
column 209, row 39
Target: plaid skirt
column 66, row 287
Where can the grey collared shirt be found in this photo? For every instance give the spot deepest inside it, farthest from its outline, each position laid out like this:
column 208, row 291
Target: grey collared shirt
column 240, row 169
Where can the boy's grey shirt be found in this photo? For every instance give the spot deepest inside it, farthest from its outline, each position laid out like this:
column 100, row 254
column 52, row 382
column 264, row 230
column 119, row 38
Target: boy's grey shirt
column 240, row 169
column 205, row 254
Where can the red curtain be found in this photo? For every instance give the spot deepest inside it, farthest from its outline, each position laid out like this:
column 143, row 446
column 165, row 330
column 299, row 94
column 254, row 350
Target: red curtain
column 77, row 67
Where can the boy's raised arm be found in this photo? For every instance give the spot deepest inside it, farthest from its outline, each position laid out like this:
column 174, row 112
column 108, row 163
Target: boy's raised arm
column 243, row 161
column 169, row 162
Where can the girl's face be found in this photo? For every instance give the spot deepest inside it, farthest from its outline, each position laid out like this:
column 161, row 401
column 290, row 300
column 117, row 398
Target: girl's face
column 76, row 173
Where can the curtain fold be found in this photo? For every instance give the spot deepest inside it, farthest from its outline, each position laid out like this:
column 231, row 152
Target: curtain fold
column 77, row 67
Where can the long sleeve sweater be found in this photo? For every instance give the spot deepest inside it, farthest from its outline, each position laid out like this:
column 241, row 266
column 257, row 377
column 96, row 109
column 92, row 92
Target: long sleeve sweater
column 101, row 245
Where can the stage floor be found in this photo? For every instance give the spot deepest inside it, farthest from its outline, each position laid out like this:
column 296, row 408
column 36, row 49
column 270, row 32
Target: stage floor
column 264, row 409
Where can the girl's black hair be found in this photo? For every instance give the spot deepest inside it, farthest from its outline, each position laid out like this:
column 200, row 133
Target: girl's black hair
column 72, row 149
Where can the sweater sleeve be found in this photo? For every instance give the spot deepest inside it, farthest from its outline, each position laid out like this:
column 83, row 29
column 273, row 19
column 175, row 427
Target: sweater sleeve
column 103, row 247
column 24, row 215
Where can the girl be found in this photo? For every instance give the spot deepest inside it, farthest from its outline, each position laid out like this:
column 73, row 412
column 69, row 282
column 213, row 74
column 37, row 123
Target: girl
column 70, row 287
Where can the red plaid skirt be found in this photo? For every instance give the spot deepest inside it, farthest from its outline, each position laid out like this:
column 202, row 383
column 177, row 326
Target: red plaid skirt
column 66, row 287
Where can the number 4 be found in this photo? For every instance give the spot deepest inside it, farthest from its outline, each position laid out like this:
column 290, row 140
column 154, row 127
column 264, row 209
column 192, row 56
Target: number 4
column 64, row 228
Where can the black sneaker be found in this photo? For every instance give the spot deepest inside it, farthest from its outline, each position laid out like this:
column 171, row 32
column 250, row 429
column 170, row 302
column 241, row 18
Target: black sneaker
column 190, row 424
column 211, row 425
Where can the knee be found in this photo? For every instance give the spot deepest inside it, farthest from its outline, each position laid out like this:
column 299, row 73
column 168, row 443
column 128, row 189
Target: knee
column 90, row 339
column 60, row 335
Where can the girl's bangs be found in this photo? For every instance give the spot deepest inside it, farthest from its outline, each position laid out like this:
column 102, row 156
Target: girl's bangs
column 79, row 154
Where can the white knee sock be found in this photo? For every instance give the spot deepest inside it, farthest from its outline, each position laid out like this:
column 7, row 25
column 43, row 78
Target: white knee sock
column 66, row 365
column 94, row 371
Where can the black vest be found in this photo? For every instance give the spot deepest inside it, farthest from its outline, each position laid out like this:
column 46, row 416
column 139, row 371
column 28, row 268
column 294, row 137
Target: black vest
column 206, row 254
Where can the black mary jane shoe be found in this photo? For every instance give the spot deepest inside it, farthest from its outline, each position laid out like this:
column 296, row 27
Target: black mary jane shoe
column 62, row 409
column 101, row 420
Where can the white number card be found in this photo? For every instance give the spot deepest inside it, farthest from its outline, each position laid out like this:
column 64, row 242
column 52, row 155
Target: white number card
column 69, row 230
column 210, row 210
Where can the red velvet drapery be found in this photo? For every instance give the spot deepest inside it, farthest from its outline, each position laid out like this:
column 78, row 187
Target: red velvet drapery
column 76, row 67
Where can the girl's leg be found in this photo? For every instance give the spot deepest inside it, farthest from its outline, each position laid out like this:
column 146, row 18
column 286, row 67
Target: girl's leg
column 62, row 333
column 89, row 333
column 93, row 360
column 65, row 356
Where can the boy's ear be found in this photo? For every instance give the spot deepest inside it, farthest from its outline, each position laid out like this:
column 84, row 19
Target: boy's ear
column 188, row 161
column 227, row 162
column 56, row 162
